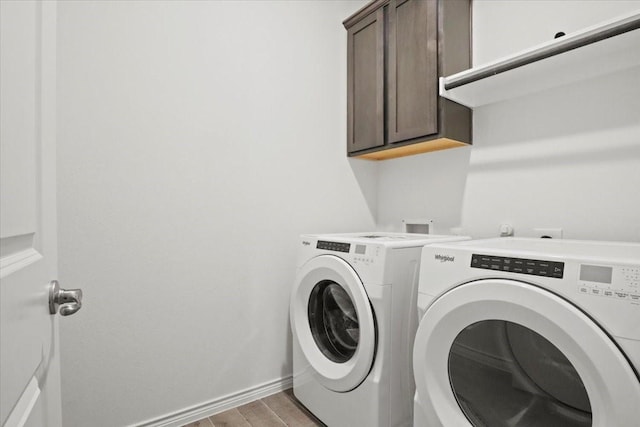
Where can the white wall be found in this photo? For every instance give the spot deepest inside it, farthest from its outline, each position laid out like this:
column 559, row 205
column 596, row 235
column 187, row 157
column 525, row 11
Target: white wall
column 567, row 158
column 196, row 142
column 425, row 186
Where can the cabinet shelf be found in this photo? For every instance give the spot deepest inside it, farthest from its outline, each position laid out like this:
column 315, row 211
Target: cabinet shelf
column 609, row 47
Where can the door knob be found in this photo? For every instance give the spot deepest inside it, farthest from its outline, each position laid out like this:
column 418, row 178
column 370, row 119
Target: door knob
column 69, row 300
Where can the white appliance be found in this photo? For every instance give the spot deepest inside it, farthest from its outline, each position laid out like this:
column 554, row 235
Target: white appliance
column 528, row 332
column 353, row 318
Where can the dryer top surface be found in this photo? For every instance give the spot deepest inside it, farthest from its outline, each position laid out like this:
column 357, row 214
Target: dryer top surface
column 570, row 249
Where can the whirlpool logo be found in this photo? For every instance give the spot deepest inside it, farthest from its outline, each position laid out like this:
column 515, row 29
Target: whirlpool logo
column 445, row 258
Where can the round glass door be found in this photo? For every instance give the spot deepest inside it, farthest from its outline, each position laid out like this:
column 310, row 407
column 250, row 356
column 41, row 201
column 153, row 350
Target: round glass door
column 504, row 374
column 333, row 321
column 500, row 352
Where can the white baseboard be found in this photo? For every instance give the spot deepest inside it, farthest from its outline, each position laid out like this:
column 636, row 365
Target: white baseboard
column 198, row 412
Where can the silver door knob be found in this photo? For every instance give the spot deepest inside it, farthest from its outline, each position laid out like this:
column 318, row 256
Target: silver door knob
column 69, row 300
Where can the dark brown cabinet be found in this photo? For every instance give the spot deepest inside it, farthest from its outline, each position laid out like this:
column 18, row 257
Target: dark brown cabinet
column 397, row 50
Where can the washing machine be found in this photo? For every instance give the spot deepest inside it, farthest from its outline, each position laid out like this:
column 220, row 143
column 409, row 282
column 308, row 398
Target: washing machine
column 528, row 332
column 353, row 318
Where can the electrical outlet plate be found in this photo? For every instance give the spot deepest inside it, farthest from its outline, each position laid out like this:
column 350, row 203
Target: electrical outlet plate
column 546, row 233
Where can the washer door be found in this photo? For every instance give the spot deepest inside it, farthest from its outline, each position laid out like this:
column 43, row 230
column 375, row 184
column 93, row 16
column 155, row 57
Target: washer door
column 332, row 319
column 500, row 353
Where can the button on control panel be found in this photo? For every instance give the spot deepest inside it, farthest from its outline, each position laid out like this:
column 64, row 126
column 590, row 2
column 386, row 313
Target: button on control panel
column 631, row 276
column 533, row 267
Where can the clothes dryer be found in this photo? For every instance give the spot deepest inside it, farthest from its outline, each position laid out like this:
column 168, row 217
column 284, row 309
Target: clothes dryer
column 528, row 332
column 353, row 317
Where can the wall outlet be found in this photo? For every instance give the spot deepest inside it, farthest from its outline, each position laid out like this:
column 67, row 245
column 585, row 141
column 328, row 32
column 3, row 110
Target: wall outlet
column 548, row 233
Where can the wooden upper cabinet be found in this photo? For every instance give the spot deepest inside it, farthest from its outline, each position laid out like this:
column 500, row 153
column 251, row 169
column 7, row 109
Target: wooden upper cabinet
column 397, row 50
column 365, row 71
column 412, row 77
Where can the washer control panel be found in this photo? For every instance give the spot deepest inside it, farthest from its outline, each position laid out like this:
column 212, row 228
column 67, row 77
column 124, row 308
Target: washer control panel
column 333, row 246
column 618, row 282
column 533, row 267
column 360, row 254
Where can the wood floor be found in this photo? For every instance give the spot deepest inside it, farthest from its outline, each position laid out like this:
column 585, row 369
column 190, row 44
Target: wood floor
column 281, row 409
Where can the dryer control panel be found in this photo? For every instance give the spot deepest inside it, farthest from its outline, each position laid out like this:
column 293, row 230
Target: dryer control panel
column 618, row 282
column 535, row 267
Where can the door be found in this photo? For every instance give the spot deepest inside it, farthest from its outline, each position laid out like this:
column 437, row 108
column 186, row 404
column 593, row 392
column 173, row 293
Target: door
column 412, row 78
column 502, row 353
column 332, row 320
column 29, row 363
column 365, row 83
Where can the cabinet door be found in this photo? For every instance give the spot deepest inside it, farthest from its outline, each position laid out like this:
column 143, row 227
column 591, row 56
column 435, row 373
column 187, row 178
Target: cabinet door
column 412, row 79
column 365, row 83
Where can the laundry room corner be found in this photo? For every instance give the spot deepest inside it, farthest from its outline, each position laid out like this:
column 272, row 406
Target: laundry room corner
column 367, row 175
column 427, row 186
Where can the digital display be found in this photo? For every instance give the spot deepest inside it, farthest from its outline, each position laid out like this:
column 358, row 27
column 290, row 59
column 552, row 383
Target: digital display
column 596, row 273
column 361, row 249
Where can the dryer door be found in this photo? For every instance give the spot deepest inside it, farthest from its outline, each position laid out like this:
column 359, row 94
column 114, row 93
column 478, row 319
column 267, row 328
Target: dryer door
column 500, row 353
column 332, row 319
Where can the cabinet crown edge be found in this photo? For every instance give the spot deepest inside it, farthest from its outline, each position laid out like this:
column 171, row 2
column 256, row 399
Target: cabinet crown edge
column 363, row 12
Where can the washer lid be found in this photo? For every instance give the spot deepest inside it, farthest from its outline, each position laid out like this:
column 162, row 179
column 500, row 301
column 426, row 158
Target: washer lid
column 332, row 319
column 516, row 316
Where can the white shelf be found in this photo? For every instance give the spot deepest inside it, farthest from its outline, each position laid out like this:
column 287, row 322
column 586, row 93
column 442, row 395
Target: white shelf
column 595, row 51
